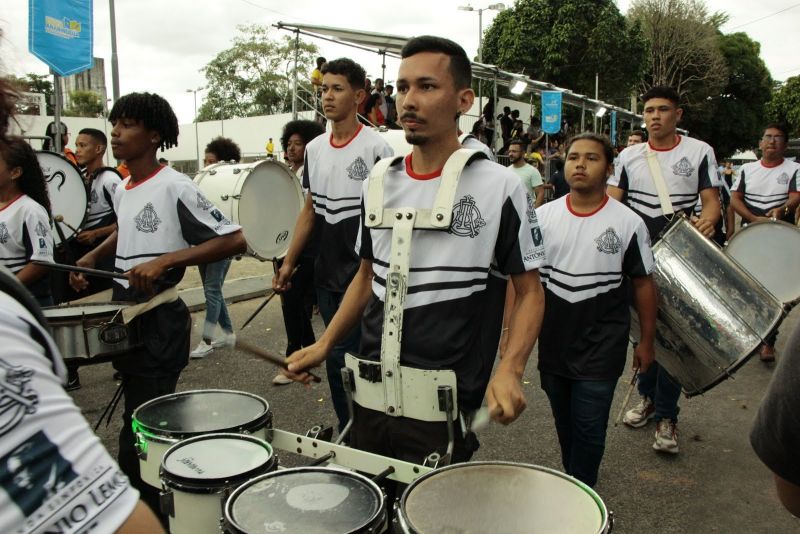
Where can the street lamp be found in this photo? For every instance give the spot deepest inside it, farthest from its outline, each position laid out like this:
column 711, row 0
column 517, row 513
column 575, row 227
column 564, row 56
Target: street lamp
column 499, row 6
column 196, row 136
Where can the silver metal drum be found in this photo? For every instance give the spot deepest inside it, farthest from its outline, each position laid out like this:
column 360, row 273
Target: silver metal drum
column 88, row 331
column 501, row 497
column 712, row 315
column 770, row 251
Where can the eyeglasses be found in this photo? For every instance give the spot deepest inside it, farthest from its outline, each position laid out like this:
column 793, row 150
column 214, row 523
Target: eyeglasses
column 776, row 138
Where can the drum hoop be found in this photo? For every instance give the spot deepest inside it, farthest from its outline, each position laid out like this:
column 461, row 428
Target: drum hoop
column 85, row 190
column 86, row 309
column 160, row 435
column 586, row 489
column 214, row 485
column 234, row 526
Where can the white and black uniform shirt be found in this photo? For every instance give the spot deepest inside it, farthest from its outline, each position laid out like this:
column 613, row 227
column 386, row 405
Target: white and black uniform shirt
column 456, row 290
column 334, row 175
column 101, row 198
column 586, row 314
column 473, row 143
column 688, row 168
column 163, row 213
column 55, row 475
column 765, row 187
column 25, row 235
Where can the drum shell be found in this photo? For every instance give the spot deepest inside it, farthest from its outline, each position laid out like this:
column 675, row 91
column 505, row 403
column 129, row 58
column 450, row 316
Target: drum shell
column 545, row 511
column 712, row 314
column 69, row 198
column 266, row 209
column 91, row 333
column 196, row 506
column 373, row 526
column 153, row 443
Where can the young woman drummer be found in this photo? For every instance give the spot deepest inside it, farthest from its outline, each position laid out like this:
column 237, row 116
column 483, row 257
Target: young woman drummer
column 25, row 233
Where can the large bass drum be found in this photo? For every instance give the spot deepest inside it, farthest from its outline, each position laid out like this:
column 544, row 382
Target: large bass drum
column 263, row 197
column 712, row 315
column 67, row 190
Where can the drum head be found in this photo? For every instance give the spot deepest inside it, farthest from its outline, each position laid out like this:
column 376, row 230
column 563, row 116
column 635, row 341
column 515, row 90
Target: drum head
column 307, row 500
column 216, row 460
column 181, row 415
column 68, row 195
column 769, row 251
column 501, row 497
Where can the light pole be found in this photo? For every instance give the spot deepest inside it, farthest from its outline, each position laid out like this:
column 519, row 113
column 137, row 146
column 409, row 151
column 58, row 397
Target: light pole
column 196, row 136
column 499, row 6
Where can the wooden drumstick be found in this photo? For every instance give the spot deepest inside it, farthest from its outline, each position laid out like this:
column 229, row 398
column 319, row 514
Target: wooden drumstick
column 627, row 397
column 60, row 219
column 268, row 356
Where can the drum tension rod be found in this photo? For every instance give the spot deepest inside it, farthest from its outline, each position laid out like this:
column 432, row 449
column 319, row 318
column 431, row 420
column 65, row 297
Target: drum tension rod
column 322, row 459
column 380, row 477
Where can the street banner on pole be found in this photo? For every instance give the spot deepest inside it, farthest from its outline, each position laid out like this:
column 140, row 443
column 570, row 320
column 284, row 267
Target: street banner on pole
column 551, row 111
column 60, row 33
column 613, row 127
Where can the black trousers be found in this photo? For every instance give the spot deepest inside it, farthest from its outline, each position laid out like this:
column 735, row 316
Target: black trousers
column 296, row 306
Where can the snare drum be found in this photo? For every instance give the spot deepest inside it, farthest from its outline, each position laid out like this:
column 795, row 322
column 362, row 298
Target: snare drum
column 67, row 190
column 500, row 497
column 199, row 473
column 160, row 423
column 311, row 500
column 92, row 331
column 712, row 315
column 769, row 251
column 263, row 197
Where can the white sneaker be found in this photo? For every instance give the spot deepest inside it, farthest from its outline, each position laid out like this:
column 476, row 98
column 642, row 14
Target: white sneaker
column 640, row 414
column 666, row 437
column 228, row 340
column 281, row 380
column 202, row 350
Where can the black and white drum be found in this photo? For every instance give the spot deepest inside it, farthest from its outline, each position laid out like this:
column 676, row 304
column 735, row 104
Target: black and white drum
column 500, row 497
column 199, row 473
column 770, row 251
column 712, row 315
column 160, row 423
column 92, row 333
column 311, row 500
column 67, row 190
column 264, row 197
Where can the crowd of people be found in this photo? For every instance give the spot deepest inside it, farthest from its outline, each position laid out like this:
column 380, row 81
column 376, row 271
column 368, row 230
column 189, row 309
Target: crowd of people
column 497, row 273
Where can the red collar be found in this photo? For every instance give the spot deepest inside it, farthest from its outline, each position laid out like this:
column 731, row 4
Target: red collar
column 415, row 176
column 358, row 130
column 14, row 200
column 601, row 206
column 767, row 166
column 677, row 142
column 131, row 184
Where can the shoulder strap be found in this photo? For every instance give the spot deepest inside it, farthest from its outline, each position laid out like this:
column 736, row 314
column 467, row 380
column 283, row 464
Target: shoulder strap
column 658, row 180
column 374, row 201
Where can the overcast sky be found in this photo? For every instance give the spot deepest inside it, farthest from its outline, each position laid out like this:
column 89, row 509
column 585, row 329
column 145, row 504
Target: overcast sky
column 163, row 44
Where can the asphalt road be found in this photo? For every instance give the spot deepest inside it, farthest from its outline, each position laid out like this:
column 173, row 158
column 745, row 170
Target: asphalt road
column 715, row 484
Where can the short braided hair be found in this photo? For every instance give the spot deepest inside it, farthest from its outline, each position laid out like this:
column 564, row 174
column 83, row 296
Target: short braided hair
column 154, row 112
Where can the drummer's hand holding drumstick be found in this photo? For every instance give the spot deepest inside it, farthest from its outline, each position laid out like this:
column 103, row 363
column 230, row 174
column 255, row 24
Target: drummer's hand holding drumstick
column 646, row 301
column 705, row 226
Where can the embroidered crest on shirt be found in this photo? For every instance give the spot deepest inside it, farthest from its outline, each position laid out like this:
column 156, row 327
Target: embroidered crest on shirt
column 608, row 242
column 203, row 203
column 783, row 179
column 531, row 209
column 114, row 188
column 17, row 399
column 41, row 229
column 467, row 220
column 358, row 170
column 683, row 168
column 93, row 197
column 147, row 220
column 4, row 235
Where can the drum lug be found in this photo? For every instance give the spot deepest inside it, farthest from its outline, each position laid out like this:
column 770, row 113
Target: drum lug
column 141, row 447
column 236, row 197
column 167, row 502
column 212, row 172
column 319, row 433
column 237, row 171
column 224, row 197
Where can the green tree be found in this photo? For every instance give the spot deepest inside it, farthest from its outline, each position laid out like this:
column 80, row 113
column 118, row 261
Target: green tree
column 738, row 111
column 84, row 104
column 254, row 76
column 34, row 83
column 567, row 42
column 785, row 105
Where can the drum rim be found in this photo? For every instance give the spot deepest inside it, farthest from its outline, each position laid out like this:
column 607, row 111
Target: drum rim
column 408, row 524
column 234, row 527
column 161, row 435
column 187, row 484
column 86, row 191
column 121, row 304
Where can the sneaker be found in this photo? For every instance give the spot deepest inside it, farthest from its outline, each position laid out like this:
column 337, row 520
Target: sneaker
column 640, row 414
column 73, row 383
column 766, row 353
column 281, row 380
column 228, row 340
column 202, row 350
column 666, row 437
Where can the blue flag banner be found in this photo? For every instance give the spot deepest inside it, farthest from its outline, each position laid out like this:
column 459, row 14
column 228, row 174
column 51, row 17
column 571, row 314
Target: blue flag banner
column 551, row 112
column 613, row 128
column 60, row 33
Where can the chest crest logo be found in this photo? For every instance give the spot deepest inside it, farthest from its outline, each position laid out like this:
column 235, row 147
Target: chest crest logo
column 467, row 220
column 4, row 235
column 608, row 242
column 147, row 220
column 358, row 170
column 783, row 179
column 683, row 168
column 93, row 197
column 17, row 397
column 203, row 203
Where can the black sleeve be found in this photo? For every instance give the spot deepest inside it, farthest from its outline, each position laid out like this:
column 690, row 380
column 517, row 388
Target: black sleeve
column 364, row 237
column 306, row 181
column 194, row 231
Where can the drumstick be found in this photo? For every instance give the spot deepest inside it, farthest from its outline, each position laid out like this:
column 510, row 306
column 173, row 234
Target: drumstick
column 60, row 219
column 268, row 356
column 627, row 397
column 83, row 270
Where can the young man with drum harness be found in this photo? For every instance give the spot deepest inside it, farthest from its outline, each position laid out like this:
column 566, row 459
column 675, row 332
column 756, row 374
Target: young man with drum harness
column 164, row 224
column 657, row 180
column 440, row 229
